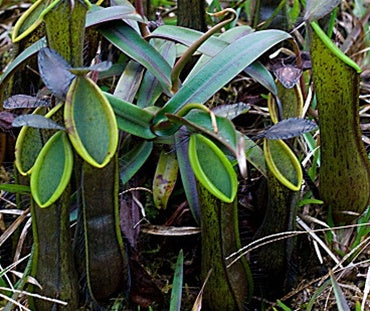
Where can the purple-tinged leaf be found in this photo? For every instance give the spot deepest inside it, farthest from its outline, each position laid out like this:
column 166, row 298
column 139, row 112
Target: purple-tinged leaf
column 289, row 128
column 6, row 119
column 99, row 67
column 36, row 121
column 130, row 218
column 316, row 9
column 24, row 101
column 187, row 176
column 54, row 71
column 231, row 111
column 98, row 15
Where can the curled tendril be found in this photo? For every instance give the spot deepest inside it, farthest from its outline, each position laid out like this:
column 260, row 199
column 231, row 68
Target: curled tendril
column 180, row 64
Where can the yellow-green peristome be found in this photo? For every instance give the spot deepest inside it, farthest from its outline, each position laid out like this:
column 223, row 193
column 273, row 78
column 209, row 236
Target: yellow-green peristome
column 333, row 48
column 90, row 122
column 283, row 163
column 212, row 168
column 52, row 170
column 29, row 20
column 29, row 143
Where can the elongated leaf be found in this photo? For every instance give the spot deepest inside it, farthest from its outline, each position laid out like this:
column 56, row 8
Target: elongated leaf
column 283, row 163
column 54, row 72
column 256, row 70
column 316, row 9
column 98, row 15
column 259, row 73
column 289, row 128
column 132, row 161
column 52, row 170
column 227, row 37
column 187, row 37
column 187, row 176
column 99, row 67
column 222, row 68
column 342, row 303
column 20, row 59
column 212, row 169
column 90, row 122
column 164, row 178
column 150, row 89
column 36, row 121
column 14, row 188
column 129, row 82
column 231, row 111
column 176, row 292
column 131, row 118
column 131, row 43
column 24, row 101
column 254, row 155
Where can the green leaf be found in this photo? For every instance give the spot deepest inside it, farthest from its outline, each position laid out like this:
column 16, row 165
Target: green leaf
column 283, row 306
column 52, row 170
column 259, row 73
column 187, row 37
column 231, row 111
column 150, row 89
column 14, row 188
column 132, row 161
column 254, row 155
column 90, row 122
column 98, row 15
column 164, row 178
column 256, row 70
column 176, row 293
column 132, row 44
column 131, row 118
column 221, row 69
column 316, row 9
column 342, row 303
column 20, row 59
column 129, row 82
column 283, row 163
column 212, row 169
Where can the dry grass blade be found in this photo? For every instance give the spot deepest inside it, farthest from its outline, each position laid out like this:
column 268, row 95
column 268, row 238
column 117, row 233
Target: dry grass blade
column 366, row 290
column 14, row 226
column 198, row 302
column 6, row 298
column 63, row 303
column 21, row 239
column 169, row 230
column 318, row 240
